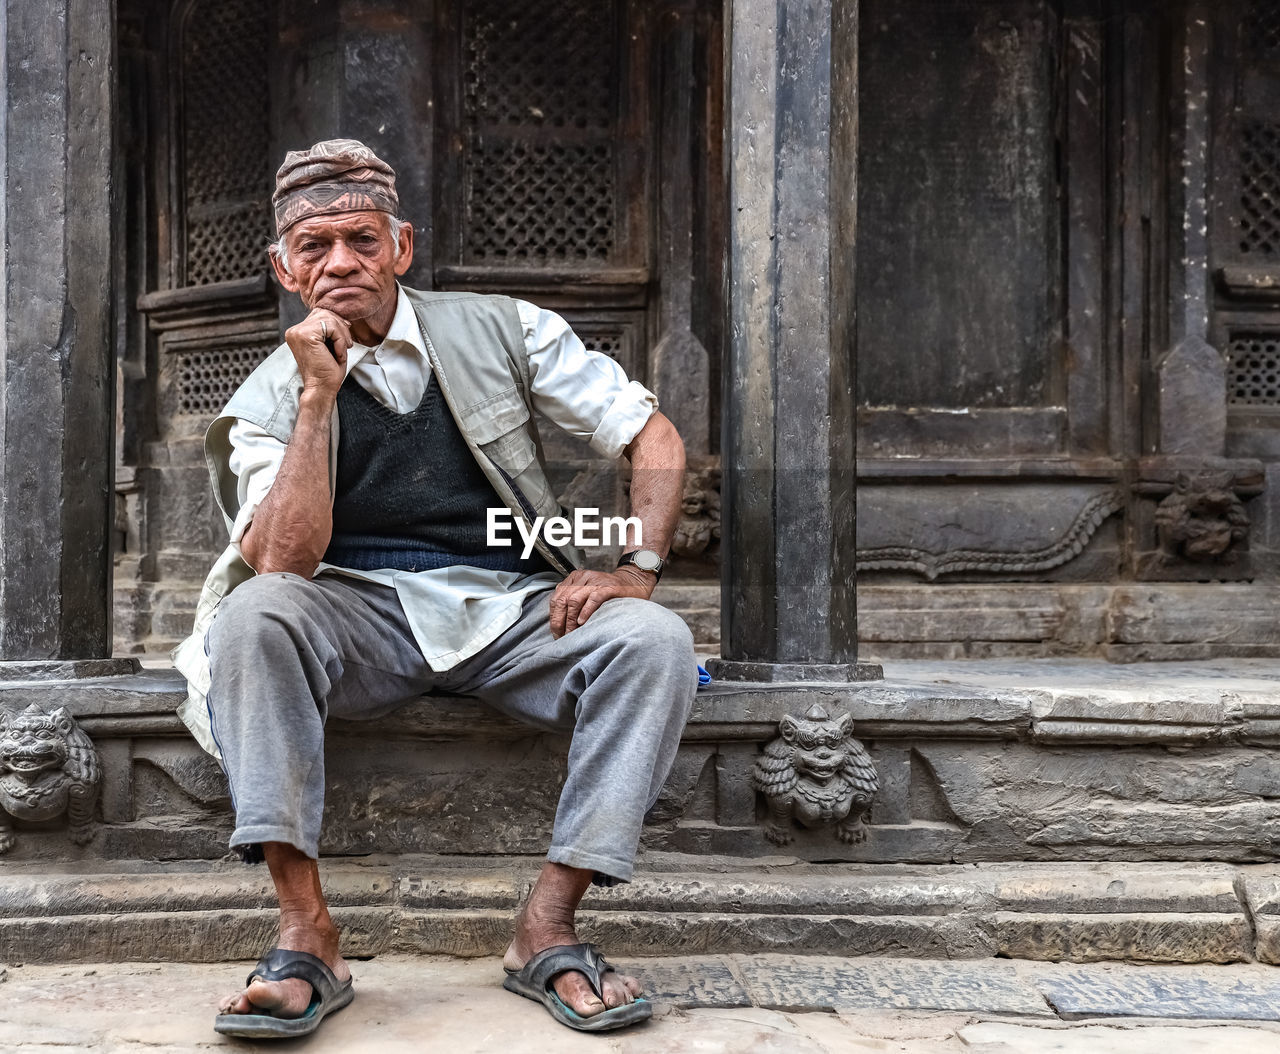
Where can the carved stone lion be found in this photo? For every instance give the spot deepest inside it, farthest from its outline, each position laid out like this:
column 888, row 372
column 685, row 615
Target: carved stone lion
column 1202, row 520
column 815, row 773
column 48, row 766
column 699, row 524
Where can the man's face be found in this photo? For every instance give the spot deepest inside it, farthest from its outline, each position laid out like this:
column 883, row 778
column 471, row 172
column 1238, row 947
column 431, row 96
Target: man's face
column 346, row 263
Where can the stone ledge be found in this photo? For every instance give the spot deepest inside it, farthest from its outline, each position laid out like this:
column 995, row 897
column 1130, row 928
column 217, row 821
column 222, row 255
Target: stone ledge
column 1167, row 770
column 1051, row 702
column 666, row 883
column 1078, row 912
column 1167, row 937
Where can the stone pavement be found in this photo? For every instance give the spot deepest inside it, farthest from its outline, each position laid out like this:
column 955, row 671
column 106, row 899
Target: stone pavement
column 737, row 1003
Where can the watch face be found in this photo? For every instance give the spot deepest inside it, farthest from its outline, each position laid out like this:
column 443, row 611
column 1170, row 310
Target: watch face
column 646, row 560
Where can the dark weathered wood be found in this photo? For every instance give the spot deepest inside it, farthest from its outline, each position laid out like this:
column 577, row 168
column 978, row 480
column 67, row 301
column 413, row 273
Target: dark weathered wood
column 958, row 286
column 1191, row 399
column 1252, row 282
column 978, row 432
column 215, row 297
column 605, row 283
column 1135, row 85
column 978, row 468
column 678, row 365
column 56, row 367
column 1084, row 335
column 787, row 610
column 1189, row 287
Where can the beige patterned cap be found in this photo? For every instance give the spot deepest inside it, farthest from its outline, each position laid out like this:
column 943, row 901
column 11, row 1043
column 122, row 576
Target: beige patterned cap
column 338, row 175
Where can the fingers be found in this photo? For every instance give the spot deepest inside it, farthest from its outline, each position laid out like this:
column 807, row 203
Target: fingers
column 580, row 595
column 560, row 602
column 319, row 344
column 329, row 331
column 557, row 613
column 588, row 606
column 567, row 603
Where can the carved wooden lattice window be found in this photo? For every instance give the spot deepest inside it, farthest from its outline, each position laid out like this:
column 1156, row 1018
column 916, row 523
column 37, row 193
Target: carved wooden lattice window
column 542, row 116
column 539, row 119
column 1253, row 370
column 1262, row 28
column 1259, row 137
column 226, row 171
column 611, row 344
column 207, row 377
column 1245, row 228
column 1260, row 188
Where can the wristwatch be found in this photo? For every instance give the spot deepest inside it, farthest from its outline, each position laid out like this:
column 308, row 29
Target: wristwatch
column 646, row 560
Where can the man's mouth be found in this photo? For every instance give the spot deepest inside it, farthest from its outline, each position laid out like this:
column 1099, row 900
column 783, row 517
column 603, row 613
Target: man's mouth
column 342, row 290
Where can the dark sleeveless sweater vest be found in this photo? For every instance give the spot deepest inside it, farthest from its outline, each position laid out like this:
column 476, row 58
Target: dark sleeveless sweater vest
column 409, row 495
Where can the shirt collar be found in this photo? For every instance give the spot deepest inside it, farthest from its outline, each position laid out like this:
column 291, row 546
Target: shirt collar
column 404, row 330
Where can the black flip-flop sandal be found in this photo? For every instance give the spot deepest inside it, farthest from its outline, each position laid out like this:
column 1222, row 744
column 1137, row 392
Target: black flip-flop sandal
column 328, row 996
column 534, row 980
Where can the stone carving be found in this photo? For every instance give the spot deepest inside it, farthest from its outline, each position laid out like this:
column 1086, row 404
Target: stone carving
column 932, row 564
column 814, row 772
column 48, row 766
column 699, row 524
column 1201, row 520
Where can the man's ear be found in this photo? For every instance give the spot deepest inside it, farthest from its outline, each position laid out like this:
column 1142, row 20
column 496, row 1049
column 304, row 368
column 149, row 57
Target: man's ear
column 282, row 276
column 406, row 248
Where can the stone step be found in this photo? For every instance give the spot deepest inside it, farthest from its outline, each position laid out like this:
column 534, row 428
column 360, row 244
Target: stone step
column 202, row 911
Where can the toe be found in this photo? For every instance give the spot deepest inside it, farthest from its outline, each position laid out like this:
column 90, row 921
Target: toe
column 281, row 998
column 616, row 992
column 234, row 1004
column 575, row 992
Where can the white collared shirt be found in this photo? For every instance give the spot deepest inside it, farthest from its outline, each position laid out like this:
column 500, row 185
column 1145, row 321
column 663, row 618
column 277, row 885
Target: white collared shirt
column 456, row 611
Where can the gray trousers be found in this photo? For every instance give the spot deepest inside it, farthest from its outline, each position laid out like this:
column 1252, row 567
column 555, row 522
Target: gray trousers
column 286, row 653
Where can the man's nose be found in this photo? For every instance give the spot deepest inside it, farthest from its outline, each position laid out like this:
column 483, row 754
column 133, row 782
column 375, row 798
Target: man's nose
column 340, row 260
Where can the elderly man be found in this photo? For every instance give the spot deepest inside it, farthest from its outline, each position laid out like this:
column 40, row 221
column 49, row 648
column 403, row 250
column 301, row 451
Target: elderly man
column 356, row 468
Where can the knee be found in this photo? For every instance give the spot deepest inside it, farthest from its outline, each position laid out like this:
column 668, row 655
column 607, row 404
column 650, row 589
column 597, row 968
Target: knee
column 656, row 636
column 258, row 609
column 668, row 631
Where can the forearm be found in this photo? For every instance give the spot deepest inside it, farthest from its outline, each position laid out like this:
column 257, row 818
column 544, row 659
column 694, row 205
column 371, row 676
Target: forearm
column 657, row 484
column 292, row 526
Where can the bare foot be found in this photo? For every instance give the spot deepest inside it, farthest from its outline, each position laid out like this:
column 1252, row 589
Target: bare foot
column 292, row 997
column 541, row 926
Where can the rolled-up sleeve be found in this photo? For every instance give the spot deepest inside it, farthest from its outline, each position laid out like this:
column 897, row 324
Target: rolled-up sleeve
column 584, row 392
column 255, row 461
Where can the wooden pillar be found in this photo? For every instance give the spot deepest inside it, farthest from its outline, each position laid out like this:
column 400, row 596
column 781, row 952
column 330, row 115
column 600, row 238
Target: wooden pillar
column 788, row 610
column 56, row 366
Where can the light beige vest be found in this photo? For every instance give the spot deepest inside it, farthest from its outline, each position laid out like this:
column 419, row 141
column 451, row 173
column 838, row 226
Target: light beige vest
column 476, row 346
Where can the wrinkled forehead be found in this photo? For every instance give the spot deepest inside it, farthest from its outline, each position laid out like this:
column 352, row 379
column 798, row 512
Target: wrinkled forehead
column 341, row 224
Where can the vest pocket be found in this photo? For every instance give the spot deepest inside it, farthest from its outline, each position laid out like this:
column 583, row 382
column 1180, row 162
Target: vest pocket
column 511, row 452
column 499, row 426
